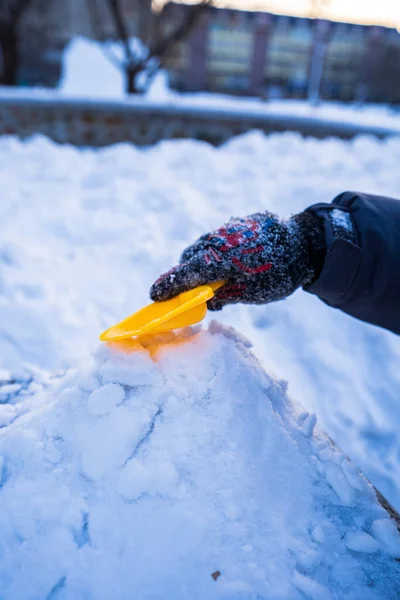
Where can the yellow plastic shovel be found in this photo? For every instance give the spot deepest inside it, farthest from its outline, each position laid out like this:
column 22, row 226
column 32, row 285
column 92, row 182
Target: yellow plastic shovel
column 186, row 309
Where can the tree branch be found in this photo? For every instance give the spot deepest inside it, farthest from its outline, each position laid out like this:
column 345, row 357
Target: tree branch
column 12, row 10
column 95, row 20
column 158, row 48
column 122, row 30
column 19, row 8
column 98, row 32
column 162, row 46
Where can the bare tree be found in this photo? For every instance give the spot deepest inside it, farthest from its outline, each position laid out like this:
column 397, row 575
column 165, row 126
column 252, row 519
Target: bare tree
column 11, row 13
column 159, row 36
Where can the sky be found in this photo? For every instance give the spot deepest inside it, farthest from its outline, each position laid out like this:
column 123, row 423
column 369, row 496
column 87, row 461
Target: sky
column 382, row 12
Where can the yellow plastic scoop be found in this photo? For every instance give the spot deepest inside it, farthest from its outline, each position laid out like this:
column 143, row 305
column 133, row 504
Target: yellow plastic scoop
column 183, row 310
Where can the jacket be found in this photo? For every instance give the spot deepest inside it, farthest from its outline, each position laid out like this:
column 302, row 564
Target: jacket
column 362, row 277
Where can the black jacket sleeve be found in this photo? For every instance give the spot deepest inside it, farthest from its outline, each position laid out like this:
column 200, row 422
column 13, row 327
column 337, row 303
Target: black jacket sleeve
column 361, row 275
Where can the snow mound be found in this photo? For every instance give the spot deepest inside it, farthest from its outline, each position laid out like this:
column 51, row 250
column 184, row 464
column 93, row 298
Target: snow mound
column 95, row 70
column 89, row 71
column 181, row 470
column 86, row 232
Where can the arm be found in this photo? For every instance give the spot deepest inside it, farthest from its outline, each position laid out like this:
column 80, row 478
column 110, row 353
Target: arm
column 347, row 253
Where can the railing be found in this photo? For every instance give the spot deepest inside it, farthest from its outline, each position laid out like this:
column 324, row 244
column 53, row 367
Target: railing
column 99, row 123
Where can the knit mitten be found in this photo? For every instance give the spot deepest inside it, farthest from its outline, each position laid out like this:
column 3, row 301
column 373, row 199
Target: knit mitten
column 261, row 258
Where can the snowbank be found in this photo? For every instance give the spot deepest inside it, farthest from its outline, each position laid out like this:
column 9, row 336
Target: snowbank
column 92, row 70
column 88, row 69
column 149, row 471
column 86, row 232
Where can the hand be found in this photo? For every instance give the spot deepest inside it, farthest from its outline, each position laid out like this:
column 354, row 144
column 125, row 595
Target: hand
column 261, row 258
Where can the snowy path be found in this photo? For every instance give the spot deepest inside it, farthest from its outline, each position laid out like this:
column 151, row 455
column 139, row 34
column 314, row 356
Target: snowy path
column 84, row 233
column 144, row 474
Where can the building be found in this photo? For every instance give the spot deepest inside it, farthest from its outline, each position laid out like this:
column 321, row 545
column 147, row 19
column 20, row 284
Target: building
column 276, row 56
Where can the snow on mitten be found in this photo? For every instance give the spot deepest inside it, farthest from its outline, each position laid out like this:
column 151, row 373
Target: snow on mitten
column 261, row 258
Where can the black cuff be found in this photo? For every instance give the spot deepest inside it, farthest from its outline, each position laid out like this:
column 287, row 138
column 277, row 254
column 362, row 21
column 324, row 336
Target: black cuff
column 312, row 235
column 343, row 253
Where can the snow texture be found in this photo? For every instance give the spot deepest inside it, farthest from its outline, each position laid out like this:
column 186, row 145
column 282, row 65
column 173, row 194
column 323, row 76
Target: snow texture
column 86, row 232
column 146, row 489
column 92, row 70
column 341, row 220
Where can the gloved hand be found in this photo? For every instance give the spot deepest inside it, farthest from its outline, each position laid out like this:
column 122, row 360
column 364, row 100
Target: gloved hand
column 261, row 258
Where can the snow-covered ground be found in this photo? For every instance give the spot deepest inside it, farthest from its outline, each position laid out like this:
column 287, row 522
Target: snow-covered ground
column 178, row 472
column 84, row 234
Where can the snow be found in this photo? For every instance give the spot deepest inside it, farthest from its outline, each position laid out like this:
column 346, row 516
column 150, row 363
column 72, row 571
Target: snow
column 147, row 489
column 92, row 69
column 341, row 219
column 387, row 534
column 308, row 425
column 86, row 232
column 360, row 541
column 151, row 468
column 83, row 60
column 103, row 400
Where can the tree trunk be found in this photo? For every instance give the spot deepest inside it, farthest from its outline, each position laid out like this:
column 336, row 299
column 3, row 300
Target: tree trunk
column 10, row 54
column 130, row 80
